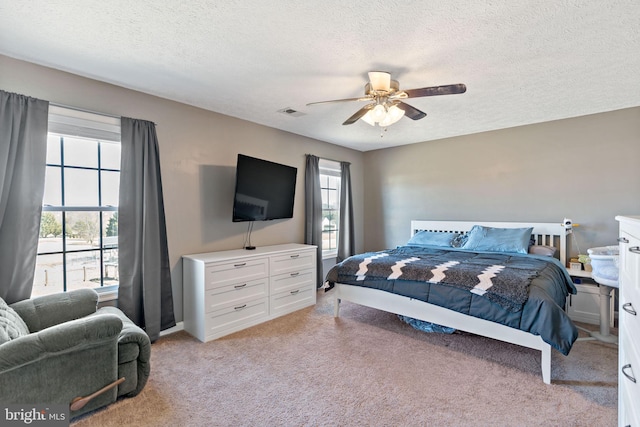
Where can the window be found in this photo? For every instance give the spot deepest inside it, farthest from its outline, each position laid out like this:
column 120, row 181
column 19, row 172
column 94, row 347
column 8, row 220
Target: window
column 330, row 189
column 78, row 241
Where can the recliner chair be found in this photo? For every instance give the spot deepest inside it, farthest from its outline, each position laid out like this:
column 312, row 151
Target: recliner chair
column 72, row 352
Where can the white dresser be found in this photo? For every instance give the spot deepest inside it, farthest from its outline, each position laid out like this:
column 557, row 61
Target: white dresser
column 227, row 291
column 629, row 319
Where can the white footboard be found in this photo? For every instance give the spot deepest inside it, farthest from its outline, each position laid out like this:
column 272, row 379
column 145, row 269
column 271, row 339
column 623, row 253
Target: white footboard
column 421, row 310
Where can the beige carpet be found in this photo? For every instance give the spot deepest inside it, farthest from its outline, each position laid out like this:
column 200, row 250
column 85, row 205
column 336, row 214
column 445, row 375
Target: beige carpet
column 366, row 368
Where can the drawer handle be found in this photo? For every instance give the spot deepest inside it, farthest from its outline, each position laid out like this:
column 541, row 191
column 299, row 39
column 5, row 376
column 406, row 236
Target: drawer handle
column 623, row 240
column 628, row 366
column 295, row 274
column 240, row 307
column 295, row 292
column 628, row 307
column 240, row 265
column 634, row 249
column 295, row 256
column 240, row 286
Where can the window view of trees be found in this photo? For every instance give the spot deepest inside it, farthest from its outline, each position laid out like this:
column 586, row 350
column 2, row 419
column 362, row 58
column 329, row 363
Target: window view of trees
column 84, row 227
column 82, row 256
column 80, row 226
column 78, row 239
column 112, row 226
column 50, row 226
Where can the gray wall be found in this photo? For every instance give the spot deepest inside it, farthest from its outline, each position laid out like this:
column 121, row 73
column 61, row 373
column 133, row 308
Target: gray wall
column 198, row 151
column 584, row 168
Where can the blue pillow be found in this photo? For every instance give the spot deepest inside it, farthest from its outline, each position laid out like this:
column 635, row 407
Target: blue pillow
column 459, row 241
column 432, row 238
column 498, row 239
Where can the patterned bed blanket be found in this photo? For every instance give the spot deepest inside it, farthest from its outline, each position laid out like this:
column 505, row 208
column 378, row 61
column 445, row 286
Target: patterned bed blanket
column 502, row 278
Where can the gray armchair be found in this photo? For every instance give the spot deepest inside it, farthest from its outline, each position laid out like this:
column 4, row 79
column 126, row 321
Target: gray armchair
column 72, row 353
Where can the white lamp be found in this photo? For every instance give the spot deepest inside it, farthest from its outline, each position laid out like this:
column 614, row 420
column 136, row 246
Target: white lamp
column 378, row 113
column 393, row 115
column 368, row 118
column 383, row 114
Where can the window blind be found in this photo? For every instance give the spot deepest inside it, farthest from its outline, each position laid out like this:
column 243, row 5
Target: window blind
column 329, row 167
column 69, row 121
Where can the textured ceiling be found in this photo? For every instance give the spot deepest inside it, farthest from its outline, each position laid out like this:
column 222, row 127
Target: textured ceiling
column 522, row 61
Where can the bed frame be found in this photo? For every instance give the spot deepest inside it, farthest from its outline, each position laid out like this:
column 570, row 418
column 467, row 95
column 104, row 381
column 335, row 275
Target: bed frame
column 550, row 234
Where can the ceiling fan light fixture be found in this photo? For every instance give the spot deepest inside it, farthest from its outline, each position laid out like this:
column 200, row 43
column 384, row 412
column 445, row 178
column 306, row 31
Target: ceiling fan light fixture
column 393, row 115
column 378, row 113
column 383, row 115
column 380, row 80
column 368, row 118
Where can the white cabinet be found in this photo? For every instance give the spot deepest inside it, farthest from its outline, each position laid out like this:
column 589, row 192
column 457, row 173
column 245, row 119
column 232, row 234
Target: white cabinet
column 629, row 322
column 227, row 291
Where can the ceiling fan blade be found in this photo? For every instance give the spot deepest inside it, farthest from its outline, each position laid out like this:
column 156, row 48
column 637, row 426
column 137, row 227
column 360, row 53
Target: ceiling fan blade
column 412, row 112
column 366, row 98
column 358, row 115
column 436, row 90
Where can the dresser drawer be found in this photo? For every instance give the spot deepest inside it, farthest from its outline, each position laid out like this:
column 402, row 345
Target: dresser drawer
column 222, row 274
column 288, row 301
column 630, row 266
column 235, row 317
column 235, row 293
column 630, row 350
column 629, row 294
column 631, row 411
column 292, row 261
column 629, row 356
column 290, row 281
column 628, row 320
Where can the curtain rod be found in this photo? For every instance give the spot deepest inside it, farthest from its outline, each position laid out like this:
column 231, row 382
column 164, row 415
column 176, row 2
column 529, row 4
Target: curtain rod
column 324, row 158
column 84, row 110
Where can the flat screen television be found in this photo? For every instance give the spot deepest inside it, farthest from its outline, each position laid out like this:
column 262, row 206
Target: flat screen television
column 264, row 190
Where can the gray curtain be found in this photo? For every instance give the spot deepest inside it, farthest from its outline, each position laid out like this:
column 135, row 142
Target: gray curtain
column 23, row 156
column 313, row 212
column 145, row 293
column 346, row 241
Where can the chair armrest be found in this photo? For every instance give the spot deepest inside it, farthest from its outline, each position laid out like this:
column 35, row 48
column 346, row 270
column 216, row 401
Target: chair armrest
column 42, row 312
column 72, row 336
column 133, row 344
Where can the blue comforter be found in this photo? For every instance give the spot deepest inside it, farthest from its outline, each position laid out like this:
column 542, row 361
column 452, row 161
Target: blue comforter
column 526, row 292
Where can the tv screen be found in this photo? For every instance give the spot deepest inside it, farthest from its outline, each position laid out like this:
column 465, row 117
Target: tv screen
column 264, row 190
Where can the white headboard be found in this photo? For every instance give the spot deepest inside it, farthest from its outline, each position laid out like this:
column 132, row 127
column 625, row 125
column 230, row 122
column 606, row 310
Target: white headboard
column 545, row 233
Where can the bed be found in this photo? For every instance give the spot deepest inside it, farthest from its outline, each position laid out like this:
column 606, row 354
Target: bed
column 518, row 296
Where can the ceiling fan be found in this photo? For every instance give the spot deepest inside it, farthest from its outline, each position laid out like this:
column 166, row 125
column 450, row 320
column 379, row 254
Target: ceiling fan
column 384, row 96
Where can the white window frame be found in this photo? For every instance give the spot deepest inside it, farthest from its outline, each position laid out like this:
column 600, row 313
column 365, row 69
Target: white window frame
column 330, row 168
column 80, row 124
